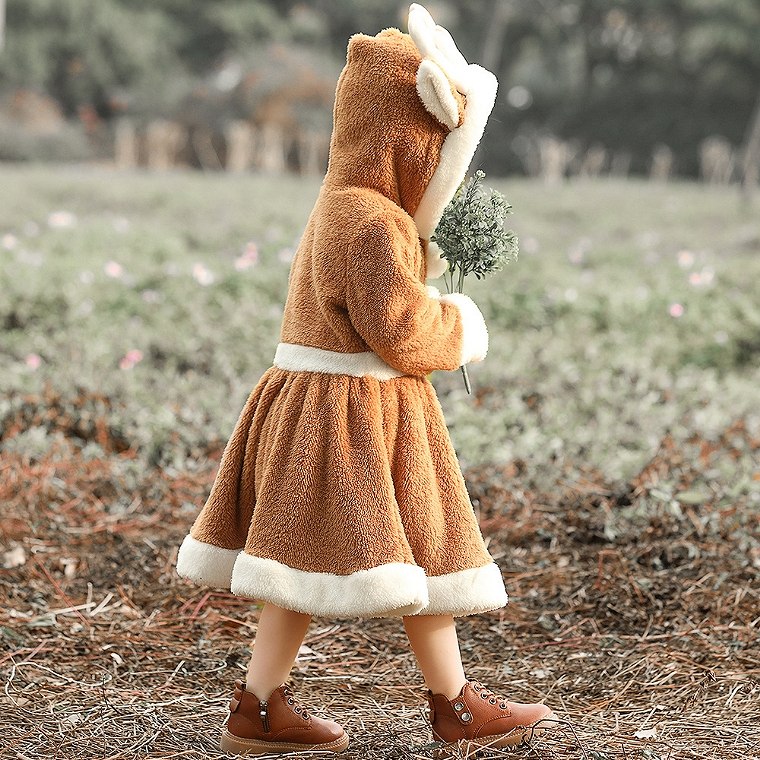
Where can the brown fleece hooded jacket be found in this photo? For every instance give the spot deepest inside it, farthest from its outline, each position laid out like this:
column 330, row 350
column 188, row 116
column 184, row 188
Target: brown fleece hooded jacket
column 357, row 283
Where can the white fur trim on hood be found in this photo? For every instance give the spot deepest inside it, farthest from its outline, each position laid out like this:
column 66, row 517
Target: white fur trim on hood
column 479, row 88
column 457, row 151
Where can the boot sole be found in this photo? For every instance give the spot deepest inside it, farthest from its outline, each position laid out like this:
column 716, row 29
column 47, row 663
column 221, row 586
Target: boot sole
column 236, row 745
column 518, row 735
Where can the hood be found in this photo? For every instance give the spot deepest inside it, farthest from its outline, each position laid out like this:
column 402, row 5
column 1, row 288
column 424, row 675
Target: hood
column 383, row 137
column 408, row 116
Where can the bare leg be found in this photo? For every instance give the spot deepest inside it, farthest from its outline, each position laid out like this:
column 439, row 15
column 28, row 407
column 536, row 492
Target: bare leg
column 278, row 637
column 436, row 647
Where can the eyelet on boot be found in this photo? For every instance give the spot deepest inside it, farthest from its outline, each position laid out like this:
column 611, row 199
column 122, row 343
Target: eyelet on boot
column 458, row 705
column 465, row 717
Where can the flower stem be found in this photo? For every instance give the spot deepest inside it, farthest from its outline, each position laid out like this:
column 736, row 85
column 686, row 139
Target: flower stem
column 459, row 290
column 466, row 378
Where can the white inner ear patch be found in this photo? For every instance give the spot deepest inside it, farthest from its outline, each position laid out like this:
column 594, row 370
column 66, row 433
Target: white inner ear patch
column 435, row 43
column 422, row 30
column 434, row 90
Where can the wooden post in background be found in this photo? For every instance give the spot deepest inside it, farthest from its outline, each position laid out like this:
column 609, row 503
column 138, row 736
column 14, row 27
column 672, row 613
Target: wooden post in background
column 239, row 137
column 554, row 155
column 716, row 160
column 270, row 150
column 2, row 24
column 125, row 144
column 751, row 155
column 163, row 138
column 662, row 163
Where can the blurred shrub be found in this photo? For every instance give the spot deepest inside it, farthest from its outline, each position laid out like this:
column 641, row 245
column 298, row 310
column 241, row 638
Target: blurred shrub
column 18, row 143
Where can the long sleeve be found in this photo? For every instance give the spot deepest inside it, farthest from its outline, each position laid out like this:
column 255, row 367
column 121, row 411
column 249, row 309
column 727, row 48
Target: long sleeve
column 411, row 327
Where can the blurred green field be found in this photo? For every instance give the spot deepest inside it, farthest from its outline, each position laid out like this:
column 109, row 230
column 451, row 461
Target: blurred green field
column 632, row 312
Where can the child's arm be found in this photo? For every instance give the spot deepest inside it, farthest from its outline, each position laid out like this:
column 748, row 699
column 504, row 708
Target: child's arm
column 395, row 315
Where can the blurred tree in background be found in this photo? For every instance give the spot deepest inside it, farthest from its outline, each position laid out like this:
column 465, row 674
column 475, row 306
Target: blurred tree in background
column 625, row 75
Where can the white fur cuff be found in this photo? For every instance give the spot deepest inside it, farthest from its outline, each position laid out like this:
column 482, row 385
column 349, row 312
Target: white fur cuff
column 474, row 330
column 436, row 264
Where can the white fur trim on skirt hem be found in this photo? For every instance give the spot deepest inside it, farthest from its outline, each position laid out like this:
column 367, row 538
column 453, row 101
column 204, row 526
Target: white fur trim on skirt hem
column 205, row 563
column 384, row 591
column 391, row 590
column 466, row 592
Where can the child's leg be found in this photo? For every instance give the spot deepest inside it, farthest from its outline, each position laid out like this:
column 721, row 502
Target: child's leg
column 278, row 637
column 436, row 647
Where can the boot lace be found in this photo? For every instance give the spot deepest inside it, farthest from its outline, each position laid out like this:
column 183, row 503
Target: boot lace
column 298, row 706
column 492, row 698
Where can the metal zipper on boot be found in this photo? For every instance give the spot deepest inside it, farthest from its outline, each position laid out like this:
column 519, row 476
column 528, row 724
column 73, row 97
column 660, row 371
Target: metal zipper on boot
column 264, row 716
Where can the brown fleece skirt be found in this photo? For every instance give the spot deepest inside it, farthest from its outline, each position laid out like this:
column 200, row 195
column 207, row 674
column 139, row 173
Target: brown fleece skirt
column 341, row 495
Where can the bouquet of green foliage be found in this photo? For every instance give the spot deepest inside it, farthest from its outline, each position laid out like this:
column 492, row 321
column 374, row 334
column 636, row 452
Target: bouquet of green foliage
column 472, row 237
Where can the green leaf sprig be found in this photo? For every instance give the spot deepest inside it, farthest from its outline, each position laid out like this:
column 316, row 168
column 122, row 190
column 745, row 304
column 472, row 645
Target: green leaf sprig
column 472, row 236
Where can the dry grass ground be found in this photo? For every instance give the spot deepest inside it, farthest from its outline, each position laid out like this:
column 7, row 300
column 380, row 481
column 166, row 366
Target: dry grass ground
column 637, row 619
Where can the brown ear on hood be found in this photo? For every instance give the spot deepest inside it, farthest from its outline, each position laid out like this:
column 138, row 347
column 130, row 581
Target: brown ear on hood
column 439, row 96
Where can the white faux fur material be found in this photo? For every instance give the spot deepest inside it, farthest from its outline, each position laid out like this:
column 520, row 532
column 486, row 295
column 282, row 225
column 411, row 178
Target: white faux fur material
column 457, row 151
column 205, row 563
column 436, row 44
column 389, row 590
column 474, row 330
column 435, row 93
column 466, row 592
column 297, row 357
column 479, row 87
column 436, row 264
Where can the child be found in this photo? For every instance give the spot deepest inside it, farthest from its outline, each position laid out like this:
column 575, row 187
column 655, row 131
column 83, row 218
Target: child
column 339, row 492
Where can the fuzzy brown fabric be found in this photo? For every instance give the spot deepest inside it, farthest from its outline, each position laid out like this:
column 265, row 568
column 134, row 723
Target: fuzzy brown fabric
column 343, row 477
column 361, row 260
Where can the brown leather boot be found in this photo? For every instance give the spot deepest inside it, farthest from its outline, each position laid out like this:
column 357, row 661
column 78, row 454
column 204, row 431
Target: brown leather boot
column 278, row 725
column 482, row 718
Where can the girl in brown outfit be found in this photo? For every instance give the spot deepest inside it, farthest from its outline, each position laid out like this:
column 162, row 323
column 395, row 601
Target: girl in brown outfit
column 339, row 493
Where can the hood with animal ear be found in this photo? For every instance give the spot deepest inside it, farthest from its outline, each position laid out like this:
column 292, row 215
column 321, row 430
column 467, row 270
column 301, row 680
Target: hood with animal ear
column 383, row 136
column 408, row 115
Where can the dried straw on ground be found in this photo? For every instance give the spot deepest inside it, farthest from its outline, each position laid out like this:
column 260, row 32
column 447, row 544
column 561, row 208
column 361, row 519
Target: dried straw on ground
column 635, row 612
